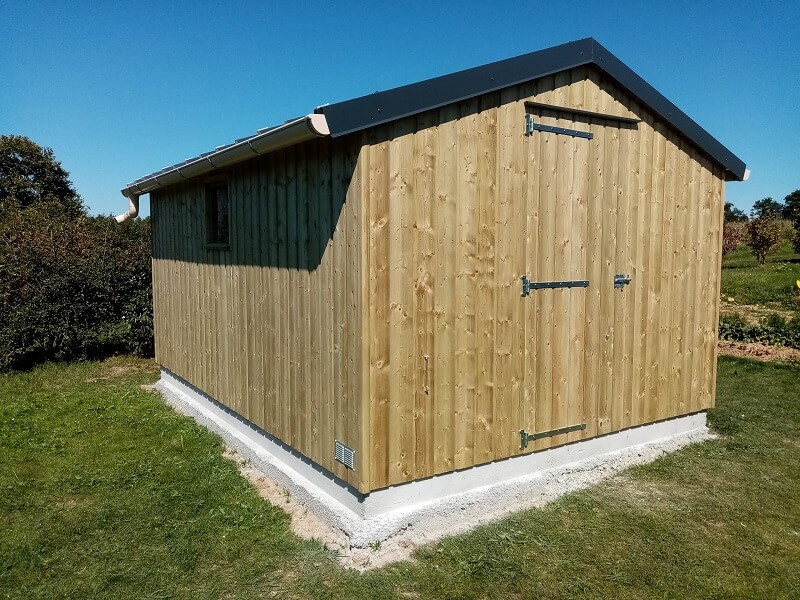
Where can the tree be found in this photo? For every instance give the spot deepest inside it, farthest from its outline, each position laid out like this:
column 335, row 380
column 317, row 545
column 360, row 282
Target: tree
column 732, row 236
column 767, row 208
column 792, row 204
column 733, row 214
column 764, row 236
column 72, row 286
column 30, row 174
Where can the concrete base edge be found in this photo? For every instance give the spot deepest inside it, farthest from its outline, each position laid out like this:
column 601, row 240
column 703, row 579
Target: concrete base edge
column 444, row 504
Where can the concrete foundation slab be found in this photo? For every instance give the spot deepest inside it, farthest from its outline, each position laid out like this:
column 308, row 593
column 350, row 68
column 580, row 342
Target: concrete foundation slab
column 442, row 505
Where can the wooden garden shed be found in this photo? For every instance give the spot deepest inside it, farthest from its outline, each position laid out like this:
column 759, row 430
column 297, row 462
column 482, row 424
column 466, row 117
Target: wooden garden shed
column 442, row 275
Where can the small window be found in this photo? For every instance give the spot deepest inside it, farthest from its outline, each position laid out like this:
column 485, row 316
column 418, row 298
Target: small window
column 218, row 211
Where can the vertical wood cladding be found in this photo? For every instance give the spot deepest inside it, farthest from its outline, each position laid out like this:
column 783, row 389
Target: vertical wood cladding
column 270, row 327
column 461, row 204
column 372, row 294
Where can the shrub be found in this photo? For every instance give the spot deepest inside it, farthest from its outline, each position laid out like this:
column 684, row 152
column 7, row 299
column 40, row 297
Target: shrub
column 764, row 235
column 773, row 330
column 792, row 203
column 733, row 235
column 71, row 288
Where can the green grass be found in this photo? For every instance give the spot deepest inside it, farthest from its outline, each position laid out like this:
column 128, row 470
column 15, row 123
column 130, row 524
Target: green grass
column 106, row 493
column 771, row 285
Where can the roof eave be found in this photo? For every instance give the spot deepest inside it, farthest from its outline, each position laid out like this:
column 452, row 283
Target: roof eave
column 290, row 133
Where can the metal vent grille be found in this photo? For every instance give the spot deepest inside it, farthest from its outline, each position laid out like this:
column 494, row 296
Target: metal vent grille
column 345, row 455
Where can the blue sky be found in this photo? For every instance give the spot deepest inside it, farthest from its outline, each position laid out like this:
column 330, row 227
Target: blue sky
column 119, row 90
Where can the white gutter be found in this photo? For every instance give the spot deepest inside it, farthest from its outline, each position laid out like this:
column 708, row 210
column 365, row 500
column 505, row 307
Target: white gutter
column 291, row 133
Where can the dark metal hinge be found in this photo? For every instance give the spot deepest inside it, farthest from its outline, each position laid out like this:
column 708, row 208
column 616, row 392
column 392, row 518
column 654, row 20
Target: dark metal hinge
column 528, row 285
column 531, row 126
column 525, row 437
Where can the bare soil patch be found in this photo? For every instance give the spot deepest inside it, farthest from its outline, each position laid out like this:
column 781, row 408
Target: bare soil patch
column 121, row 366
column 308, row 526
column 758, row 351
column 648, row 495
column 752, row 313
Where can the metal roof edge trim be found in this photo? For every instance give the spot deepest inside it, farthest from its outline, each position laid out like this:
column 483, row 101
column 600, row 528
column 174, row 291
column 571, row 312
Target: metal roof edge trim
column 382, row 107
column 350, row 116
column 662, row 106
column 266, row 141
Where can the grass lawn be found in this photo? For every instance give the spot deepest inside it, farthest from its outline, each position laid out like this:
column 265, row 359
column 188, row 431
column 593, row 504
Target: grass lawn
column 106, row 493
column 772, row 285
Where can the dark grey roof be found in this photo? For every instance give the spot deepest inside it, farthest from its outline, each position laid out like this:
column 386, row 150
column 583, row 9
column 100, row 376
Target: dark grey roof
column 381, row 107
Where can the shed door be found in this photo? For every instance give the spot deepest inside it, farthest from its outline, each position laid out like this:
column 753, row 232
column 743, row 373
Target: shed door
column 572, row 217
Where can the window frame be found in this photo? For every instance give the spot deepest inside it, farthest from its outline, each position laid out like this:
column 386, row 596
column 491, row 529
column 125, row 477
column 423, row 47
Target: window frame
column 213, row 240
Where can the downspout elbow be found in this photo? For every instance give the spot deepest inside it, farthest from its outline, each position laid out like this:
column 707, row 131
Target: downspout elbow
column 133, row 209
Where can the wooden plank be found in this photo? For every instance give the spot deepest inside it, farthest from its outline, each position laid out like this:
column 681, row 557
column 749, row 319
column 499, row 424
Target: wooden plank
column 668, row 367
column 690, row 365
column 545, row 272
column 303, row 367
column 249, row 206
column 424, row 277
column 695, row 339
column 339, row 305
column 316, row 239
column 466, row 286
column 594, row 338
column 283, row 398
column 292, row 317
column 531, row 158
column 327, row 208
column 563, row 268
column 681, row 267
column 272, row 348
column 487, row 198
column 621, row 413
column 718, row 207
column 609, row 408
column 632, row 173
column 573, row 110
column 578, row 268
column 400, row 439
column 444, row 365
column 364, row 332
column 380, row 268
column 517, row 234
column 354, row 185
column 224, row 375
column 262, row 310
column 654, row 334
column 506, row 282
column 704, row 303
column 642, row 272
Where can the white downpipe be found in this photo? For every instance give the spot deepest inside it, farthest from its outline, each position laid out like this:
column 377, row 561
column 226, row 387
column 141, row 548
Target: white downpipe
column 133, row 209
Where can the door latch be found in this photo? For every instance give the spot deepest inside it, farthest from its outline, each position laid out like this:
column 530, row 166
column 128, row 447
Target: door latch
column 620, row 281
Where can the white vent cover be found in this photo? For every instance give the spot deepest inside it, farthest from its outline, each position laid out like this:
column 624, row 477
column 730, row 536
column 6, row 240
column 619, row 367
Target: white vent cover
column 345, row 455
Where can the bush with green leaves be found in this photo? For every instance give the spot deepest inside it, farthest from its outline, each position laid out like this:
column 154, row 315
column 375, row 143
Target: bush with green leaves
column 733, row 214
column 773, row 330
column 733, row 235
column 792, row 204
column 764, row 235
column 72, row 286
